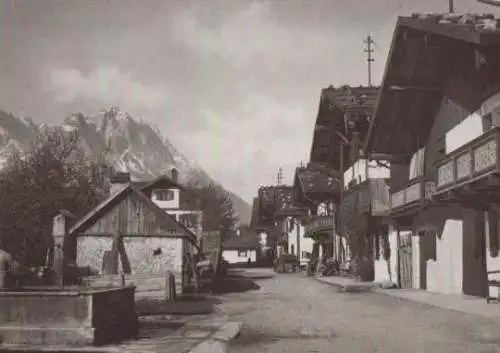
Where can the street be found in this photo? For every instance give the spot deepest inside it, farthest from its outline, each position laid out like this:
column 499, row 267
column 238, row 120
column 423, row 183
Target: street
column 293, row 313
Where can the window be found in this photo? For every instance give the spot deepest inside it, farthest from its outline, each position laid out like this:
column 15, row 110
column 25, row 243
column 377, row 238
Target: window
column 292, row 249
column 242, row 253
column 164, row 195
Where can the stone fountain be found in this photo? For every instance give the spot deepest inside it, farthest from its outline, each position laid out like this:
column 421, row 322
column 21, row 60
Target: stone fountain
column 61, row 313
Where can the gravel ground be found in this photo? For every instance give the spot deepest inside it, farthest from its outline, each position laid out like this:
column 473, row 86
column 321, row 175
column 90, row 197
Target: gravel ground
column 293, row 313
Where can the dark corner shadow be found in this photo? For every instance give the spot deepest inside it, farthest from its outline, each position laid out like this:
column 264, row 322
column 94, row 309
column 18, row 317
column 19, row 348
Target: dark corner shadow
column 192, row 304
column 234, row 284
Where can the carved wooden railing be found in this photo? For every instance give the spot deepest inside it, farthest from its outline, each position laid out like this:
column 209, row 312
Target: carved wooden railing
column 319, row 224
column 371, row 195
column 470, row 162
column 415, row 192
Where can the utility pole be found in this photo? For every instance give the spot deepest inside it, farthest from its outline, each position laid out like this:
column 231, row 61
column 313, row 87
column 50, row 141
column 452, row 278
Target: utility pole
column 369, row 57
column 279, row 177
column 451, row 7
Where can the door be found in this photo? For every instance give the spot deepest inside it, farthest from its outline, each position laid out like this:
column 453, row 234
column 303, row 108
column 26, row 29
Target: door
column 428, row 241
column 474, row 254
column 405, row 260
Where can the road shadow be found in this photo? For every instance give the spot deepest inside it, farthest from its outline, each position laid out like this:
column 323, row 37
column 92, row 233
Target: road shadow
column 193, row 304
column 234, row 284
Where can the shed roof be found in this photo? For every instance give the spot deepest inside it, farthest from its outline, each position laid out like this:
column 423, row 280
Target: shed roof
column 426, row 49
column 162, row 217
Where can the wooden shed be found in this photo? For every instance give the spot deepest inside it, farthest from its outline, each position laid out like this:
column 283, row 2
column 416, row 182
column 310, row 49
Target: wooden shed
column 130, row 227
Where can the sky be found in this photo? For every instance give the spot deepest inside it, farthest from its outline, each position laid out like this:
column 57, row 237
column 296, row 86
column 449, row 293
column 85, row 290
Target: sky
column 234, row 85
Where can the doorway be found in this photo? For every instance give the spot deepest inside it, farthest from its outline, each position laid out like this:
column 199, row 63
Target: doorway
column 405, row 260
column 475, row 280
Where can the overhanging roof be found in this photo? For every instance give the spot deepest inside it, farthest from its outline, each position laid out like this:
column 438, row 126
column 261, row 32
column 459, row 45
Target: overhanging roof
column 330, row 125
column 317, row 181
column 425, row 49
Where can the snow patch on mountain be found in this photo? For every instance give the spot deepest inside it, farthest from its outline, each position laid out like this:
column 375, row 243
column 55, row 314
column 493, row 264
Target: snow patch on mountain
column 128, row 145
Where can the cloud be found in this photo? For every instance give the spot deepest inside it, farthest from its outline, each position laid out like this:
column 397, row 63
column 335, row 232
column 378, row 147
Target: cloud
column 245, row 151
column 249, row 37
column 105, row 84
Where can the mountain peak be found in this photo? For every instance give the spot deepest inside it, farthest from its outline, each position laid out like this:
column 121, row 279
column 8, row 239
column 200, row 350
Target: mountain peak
column 127, row 144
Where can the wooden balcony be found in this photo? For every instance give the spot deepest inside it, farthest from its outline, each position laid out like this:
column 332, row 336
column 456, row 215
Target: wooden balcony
column 412, row 196
column 370, row 198
column 471, row 171
column 320, row 224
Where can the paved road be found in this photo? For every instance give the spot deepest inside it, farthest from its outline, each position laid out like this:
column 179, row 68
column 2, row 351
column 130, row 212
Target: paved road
column 292, row 313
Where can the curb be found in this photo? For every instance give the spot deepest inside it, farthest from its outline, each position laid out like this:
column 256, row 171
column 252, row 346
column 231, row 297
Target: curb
column 220, row 340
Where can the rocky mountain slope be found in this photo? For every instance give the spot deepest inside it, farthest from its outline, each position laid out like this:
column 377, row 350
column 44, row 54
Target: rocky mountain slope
column 127, row 144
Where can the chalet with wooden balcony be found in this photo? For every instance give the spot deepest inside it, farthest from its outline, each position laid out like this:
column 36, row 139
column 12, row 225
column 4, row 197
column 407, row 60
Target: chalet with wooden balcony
column 437, row 116
column 278, row 215
column 342, row 122
column 318, row 189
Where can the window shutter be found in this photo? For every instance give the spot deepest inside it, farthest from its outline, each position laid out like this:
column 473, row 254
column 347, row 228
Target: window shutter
column 433, row 247
column 493, row 232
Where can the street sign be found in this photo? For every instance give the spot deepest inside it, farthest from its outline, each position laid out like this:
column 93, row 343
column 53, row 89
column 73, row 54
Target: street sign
column 490, row 2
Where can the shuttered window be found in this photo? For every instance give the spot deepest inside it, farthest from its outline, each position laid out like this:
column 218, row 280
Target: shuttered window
column 433, row 245
column 492, row 220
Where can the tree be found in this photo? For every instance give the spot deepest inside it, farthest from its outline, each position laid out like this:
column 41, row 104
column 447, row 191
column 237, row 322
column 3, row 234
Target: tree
column 218, row 215
column 54, row 175
column 217, row 208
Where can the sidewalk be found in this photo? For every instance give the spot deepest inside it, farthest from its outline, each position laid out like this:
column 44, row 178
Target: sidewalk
column 457, row 302
column 159, row 334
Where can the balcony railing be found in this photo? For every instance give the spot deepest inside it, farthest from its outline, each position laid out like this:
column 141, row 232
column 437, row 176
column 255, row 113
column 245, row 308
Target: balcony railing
column 371, row 196
column 469, row 163
column 414, row 193
column 319, row 224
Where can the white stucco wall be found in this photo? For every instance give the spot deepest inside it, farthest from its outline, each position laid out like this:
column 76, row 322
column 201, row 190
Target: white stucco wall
column 174, row 203
column 464, row 132
column 415, row 259
column 445, row 274
column 387, row 270
column 363, row 169
column 306, row 244
column 232, row 257
column 472, row 127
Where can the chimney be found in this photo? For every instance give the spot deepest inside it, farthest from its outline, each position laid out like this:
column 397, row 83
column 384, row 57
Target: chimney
column 174, row 175
column 118, row 181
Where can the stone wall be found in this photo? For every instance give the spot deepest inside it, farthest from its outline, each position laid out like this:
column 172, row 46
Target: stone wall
column 149, row 257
